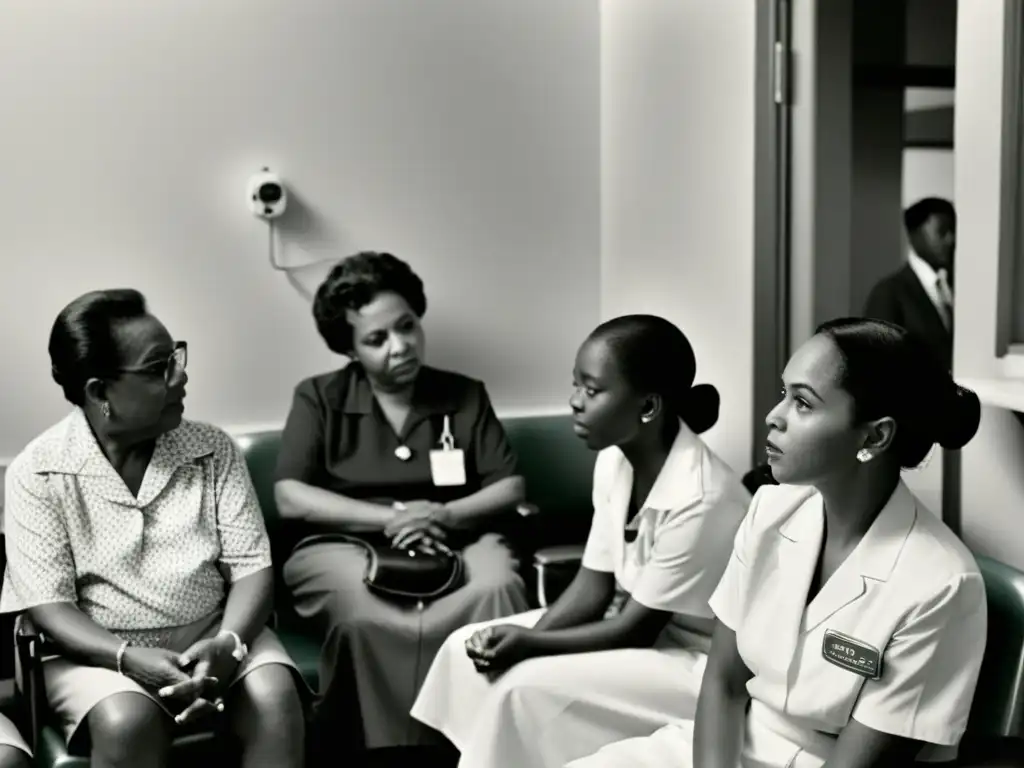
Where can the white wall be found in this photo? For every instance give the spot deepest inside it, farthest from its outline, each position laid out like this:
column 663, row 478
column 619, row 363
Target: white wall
column 677, row 161
column 928, row 172
column 463, row 135
column 993, row 480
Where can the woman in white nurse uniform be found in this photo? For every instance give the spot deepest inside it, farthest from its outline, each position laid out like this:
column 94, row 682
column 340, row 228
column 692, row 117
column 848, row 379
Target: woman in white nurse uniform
column 621, row 652
column 851, row 620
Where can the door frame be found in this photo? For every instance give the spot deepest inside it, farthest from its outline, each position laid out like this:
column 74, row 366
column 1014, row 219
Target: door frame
column 772, row 120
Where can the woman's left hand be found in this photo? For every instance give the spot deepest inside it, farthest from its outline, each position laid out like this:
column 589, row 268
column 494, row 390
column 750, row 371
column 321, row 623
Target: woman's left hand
column 497, row 648
column 210, row 657
column 420, row 532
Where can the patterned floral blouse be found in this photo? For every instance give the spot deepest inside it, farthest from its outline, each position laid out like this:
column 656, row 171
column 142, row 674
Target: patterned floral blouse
column 135, row 565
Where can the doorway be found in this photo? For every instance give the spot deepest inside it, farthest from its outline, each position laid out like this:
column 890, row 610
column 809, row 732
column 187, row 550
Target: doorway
column 854, row 123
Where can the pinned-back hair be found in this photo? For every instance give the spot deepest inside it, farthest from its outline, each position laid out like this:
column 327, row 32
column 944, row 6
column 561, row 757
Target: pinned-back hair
column 890, row 373
column 656, row 357
column 82, row 344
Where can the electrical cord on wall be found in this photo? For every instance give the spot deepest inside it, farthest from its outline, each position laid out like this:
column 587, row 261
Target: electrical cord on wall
column 273, row 249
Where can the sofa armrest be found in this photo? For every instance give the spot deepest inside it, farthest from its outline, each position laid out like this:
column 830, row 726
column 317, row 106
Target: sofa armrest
column 30, row 644
column 565, row 554
column 527, row 510
column 551, row 558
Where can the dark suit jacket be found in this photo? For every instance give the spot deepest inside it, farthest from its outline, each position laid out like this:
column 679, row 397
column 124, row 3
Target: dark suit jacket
column 900, row 298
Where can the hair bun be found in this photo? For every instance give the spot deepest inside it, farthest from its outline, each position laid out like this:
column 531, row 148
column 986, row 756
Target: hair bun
column 959, row 421
column 56, row 374
column 700, row 408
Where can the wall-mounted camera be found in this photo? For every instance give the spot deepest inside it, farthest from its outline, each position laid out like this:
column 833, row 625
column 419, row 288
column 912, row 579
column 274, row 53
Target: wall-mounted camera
column 267, row 195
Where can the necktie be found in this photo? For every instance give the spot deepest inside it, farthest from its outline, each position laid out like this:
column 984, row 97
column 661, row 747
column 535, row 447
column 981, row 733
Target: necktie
column 945, row 296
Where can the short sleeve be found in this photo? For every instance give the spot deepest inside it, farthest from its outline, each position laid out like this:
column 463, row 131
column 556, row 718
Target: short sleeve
column 11, row 736
column 40, row 564
column 244, row 544
column 729, row 599
column 599, row 552
column 930, row 667
column 492, row 452
column 301, row 455
column 686, row 560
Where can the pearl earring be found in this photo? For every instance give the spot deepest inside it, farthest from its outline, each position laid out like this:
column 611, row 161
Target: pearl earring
column 864, row 455
column 105, row 408
column 646, row 418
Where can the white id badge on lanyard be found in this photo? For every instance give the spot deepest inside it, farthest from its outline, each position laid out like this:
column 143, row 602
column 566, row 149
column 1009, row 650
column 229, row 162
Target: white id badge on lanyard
column 448, row 465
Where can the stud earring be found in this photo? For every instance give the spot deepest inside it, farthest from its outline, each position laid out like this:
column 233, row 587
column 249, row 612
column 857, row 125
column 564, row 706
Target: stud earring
column 105, row 408
column 864, row 456
column 646, row 418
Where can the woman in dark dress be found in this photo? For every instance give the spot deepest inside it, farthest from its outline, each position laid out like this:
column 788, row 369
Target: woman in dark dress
column 356, row 458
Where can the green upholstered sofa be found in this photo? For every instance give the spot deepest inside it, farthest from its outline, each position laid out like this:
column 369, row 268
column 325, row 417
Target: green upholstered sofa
column 995, row 732
column 558, row 468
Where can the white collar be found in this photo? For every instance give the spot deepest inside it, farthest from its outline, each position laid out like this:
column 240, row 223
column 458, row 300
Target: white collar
column 925, row 272
column 680, row 482
column 929, row 278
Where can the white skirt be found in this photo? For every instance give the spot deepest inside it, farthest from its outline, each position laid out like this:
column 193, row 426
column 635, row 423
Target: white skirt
column 548, row 711
column 769, row 741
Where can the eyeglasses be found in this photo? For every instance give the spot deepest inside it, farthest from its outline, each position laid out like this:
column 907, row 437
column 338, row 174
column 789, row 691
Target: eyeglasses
column 167, row 370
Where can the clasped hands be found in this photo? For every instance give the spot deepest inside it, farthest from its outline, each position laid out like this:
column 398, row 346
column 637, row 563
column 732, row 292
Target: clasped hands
column 194, row 680
column 499, row 647
column 419, row 525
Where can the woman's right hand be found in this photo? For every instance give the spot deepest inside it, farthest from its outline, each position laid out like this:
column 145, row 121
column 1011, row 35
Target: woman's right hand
column 159, row 669
column 423, row 536
column 411, row 513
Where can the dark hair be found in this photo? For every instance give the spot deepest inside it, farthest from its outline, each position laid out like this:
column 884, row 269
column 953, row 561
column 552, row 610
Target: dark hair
column 889, row 372
column 355, row 282
column 656, row 357
column 82, row 342
column 916, row 215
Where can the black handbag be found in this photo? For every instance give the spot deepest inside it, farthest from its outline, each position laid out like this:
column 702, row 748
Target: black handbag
column 403, row 575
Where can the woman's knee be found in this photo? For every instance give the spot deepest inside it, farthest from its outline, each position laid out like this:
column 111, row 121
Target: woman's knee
column 270, row 687
column 268, row 705
column 530, row 683
column 126, row 723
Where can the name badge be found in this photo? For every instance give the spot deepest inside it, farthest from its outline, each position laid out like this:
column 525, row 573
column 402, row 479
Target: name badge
column 448, row 465
column 853, row 655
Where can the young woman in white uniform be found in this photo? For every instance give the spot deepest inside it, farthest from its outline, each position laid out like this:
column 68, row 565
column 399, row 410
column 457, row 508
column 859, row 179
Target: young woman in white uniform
column 621, row 652
column 851, row 620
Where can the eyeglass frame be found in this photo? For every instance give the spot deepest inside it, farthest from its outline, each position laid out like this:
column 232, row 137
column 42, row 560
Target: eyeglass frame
column 172, row 363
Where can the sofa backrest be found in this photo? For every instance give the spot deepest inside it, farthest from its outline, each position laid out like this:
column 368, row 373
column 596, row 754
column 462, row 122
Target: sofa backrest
column 557, row 466
column 998, row 708
column 260, row 451
column 559, row 472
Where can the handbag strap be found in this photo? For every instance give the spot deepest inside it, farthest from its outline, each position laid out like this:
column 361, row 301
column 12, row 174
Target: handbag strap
column 457, row 567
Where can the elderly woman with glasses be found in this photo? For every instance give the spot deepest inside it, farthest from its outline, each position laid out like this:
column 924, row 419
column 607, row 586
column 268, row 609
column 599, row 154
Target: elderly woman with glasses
column 136, row 546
